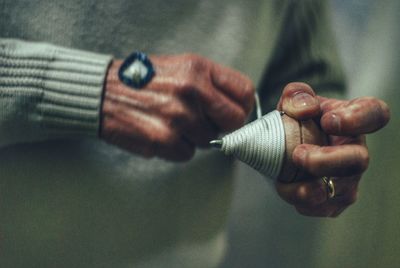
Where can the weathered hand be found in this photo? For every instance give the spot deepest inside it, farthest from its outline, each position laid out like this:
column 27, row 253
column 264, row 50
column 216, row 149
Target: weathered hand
column 186, row 104
column 344, row 160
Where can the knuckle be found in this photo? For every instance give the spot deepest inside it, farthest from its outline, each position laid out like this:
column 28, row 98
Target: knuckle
column 193, row 68
column 195, row 62
column 301, row 194
column 311, row 195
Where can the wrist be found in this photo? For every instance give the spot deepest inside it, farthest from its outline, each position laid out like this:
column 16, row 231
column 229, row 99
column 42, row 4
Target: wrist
column 110, row 82
column 112, row 74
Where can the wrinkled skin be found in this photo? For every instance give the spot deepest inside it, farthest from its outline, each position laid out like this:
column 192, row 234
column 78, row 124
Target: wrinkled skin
column 188, row 102
column 344, row 160
column 191, row 100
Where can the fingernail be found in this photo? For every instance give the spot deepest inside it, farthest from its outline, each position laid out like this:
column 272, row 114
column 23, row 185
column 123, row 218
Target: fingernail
column 302, row 99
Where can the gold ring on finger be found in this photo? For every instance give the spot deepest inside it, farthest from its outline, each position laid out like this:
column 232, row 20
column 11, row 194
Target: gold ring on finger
column 330, row 187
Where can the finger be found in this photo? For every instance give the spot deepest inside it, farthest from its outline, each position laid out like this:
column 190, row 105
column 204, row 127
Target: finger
column 311, row 197
column 340, row 160
column 358, row 116
column 331, row 208
column 306, row 194
column 233, row 84
column 313, row 193
column 226, row 114
column 299, row 101
column 345, row 188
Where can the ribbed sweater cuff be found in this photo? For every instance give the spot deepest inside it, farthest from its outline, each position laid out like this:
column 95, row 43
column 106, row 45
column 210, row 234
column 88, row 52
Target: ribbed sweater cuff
column 68, row 84
column 73, row 87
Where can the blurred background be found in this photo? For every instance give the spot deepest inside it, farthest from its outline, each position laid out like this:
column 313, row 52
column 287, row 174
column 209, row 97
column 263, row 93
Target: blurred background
column 265, row 232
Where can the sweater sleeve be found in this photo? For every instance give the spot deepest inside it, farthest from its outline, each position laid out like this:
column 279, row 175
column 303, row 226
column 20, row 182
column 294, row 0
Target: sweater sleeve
column 48, row 92
column 304, row 52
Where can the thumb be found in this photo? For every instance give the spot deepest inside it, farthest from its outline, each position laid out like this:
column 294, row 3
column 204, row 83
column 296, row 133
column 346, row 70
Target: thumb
column 299, row 101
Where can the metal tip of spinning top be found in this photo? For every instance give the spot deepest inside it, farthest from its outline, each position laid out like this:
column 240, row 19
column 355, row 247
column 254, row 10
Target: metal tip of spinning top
column 216, row 144
column 260, row 144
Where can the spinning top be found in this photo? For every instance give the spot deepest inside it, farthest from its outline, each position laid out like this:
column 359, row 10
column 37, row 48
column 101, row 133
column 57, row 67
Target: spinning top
column 267, row 144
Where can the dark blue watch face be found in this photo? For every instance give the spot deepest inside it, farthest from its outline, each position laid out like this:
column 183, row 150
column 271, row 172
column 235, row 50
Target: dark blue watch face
column 136, row 71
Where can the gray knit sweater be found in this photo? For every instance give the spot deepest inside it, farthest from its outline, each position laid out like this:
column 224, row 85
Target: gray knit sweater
column 69, row 200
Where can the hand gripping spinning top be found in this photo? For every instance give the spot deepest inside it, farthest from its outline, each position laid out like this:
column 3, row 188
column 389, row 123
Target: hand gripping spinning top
column 267, row 144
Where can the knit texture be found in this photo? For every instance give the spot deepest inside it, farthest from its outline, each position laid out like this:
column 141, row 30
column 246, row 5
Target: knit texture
column 48, row 91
